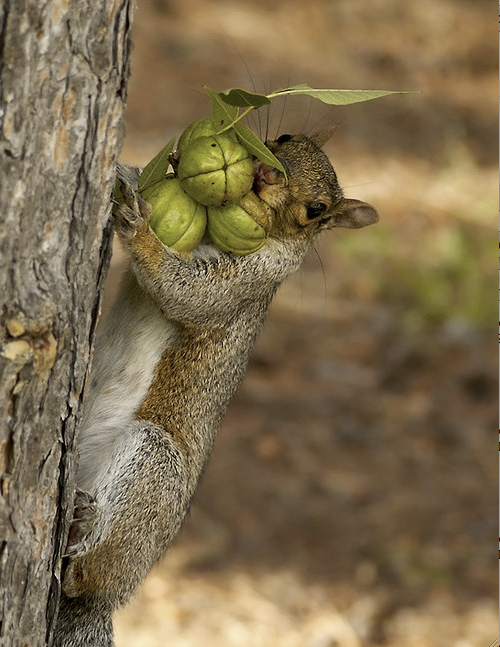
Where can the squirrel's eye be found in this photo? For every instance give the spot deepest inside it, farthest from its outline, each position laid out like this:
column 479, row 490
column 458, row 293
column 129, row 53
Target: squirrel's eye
column 315, row 209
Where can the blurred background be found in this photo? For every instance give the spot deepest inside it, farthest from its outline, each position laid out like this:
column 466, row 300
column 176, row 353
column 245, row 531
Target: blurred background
column 351, row 498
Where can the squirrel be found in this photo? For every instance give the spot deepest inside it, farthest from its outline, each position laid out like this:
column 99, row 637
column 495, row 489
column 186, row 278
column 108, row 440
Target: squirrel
column 168, row 360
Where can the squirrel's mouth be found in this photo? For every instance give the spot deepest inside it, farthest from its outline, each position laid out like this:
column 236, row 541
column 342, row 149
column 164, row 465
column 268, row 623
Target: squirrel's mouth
column 267, row 174
column 268, row 183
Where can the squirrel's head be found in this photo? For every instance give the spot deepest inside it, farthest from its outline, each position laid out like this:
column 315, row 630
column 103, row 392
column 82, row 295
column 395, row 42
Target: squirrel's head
column 309, row 199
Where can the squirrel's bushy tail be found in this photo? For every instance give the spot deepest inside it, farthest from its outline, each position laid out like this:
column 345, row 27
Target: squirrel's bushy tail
column 83, row 622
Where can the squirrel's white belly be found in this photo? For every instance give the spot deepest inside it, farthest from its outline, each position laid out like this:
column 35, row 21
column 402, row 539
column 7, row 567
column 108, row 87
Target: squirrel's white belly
column 128, row 348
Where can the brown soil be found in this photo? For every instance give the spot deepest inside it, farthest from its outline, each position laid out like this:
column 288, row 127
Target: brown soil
column 351, row 496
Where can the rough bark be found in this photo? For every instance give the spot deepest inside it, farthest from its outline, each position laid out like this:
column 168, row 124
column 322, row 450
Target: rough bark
column 63, row 76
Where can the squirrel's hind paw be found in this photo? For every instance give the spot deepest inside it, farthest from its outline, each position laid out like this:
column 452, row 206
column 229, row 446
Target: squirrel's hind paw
column 85, row 514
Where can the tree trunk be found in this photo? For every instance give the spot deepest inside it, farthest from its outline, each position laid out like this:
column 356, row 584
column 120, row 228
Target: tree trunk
column 64, row 67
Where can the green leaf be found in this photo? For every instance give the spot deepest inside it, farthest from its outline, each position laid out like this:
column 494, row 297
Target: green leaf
column 244, row 98
column 335, row 97
column 223, row 115
column 253, row 145
column 157, row 167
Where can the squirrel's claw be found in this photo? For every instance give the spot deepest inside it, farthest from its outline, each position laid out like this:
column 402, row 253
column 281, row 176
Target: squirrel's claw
column 84, row 518
column 132, row 213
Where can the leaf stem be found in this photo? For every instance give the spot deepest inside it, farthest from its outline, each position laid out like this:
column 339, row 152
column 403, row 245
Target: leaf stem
column 246, row 112
column 238, row 118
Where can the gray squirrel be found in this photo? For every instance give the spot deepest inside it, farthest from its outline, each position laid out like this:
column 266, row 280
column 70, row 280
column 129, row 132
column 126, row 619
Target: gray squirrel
column 168, row 360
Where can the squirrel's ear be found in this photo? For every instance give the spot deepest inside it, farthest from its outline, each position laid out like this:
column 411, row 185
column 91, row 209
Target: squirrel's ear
column 353, row 214
column 322, row 136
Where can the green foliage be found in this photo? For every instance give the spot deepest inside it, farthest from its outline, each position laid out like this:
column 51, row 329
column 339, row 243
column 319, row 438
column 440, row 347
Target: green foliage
column 335, row 97
column 227, row 105
column 245, row 99
column 256, row 147
column 447, row 277
column 224, row 115
column 157, row 168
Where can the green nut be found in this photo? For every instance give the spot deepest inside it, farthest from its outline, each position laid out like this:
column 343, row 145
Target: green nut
column 199, row 128
column 177, row 220
column 216, row 170
column 240, row 228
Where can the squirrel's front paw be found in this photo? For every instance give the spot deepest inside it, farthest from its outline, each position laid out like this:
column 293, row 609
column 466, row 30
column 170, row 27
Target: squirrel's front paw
column 132, row 214
column 84, row 518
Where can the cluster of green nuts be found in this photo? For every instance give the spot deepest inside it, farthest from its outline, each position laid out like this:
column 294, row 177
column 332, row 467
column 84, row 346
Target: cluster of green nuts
column 210, row 190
